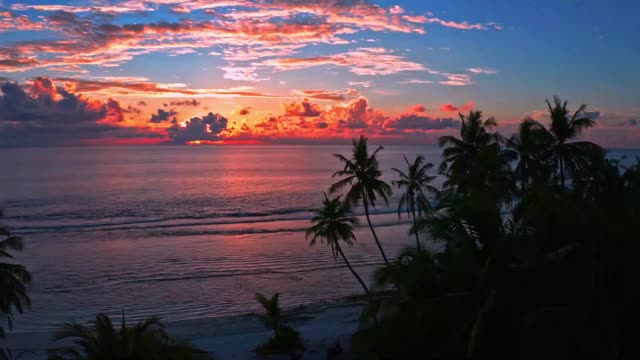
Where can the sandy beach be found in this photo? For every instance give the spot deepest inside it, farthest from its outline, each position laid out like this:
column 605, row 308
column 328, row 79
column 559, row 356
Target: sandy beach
column 235, row 338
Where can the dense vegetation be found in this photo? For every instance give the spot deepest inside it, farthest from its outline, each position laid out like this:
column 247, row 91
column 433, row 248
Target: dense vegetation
column 529, row 252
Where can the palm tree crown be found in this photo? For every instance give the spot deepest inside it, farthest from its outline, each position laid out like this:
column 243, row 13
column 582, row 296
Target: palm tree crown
column 529, row 146
column 414, row 182
column 362, row 173
column 460, row 154
column 272, row 315
column 567, row 156
column 101, row 341
column 334, row 224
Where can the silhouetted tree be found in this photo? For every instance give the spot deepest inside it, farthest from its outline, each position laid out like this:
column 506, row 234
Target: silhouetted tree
column 362, row 173
column 529, row 146
column 285, row 339
column 415, row 182
column 102, row 341
column 334, row 224
column 567, row 155
column 14, row 278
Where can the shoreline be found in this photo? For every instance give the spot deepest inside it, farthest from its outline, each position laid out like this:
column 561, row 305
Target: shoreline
column 236, row 337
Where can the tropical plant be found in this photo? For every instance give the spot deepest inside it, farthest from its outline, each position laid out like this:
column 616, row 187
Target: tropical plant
column 567, row 155
column 474, row 163
column 415, row 182
column 102, row 341
column 334, row 224
column 529, row 146
column 285, row 339
column 362, row 173
column 14, row 278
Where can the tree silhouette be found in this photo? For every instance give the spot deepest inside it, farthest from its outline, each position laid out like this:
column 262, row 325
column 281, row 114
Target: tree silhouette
column 14, row 278
column 566, row 155
column 362, row 173
column 415, row 182
column 334, row 224
column 146, row 339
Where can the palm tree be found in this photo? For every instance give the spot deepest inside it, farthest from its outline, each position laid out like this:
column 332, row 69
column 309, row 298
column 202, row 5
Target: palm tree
column 415, row 181
column 461, row 155
column 333, row 223
column 362, row 173
column 14, row 279
column 101, row 341
column 565, row 127
column 272, row 315
column 528, row 146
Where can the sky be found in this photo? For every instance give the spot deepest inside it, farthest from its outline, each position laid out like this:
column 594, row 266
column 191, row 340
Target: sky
column 309, row 72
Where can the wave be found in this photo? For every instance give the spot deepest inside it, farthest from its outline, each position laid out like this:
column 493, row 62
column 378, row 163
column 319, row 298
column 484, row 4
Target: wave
column 234, row 218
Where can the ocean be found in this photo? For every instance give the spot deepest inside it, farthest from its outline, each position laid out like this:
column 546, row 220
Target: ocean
column 183, row 232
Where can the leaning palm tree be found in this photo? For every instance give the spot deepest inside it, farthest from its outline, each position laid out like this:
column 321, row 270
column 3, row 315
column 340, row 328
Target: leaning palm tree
column 14, row 279
column 567, row 155
column 414, row 182
column 362, row 173
column 102, row 341
column 529, row 146
column 461, row 156
column 334, row 224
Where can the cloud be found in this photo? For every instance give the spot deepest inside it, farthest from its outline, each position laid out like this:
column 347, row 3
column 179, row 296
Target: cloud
column 411, row 121
column 163, row 116
column 362, row 61
column 205, row 128
column 243, row 110
column 416, row 81
column 453, row 108
column 302, row 109
column 334, row 95
column 192, row 102
column 43, row 114
column 418, row 108
column 485, row 71
column 456, row 79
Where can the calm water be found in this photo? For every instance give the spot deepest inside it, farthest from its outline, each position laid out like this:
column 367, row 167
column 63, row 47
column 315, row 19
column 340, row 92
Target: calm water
column 180, row 232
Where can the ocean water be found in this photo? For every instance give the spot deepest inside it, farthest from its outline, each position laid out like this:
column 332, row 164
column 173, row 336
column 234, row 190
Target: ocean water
column 181, row 232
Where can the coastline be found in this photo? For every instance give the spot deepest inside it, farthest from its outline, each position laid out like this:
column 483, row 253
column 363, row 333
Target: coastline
column 320, row 324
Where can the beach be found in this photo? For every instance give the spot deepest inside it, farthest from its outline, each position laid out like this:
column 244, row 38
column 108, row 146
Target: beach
column 321, row 326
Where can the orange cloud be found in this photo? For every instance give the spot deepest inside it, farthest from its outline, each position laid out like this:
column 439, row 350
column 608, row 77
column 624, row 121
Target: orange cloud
column 453, row 108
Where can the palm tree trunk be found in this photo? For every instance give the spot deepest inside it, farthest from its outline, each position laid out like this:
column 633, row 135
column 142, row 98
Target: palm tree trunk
column 413, row 213
column 561, row 171
column 364, row 286
column 375, row 236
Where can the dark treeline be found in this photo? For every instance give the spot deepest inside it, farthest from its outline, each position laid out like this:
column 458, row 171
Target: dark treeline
column 530, row 252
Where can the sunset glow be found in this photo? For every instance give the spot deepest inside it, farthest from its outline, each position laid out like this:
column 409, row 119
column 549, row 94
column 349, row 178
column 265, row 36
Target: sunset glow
column 304, row 72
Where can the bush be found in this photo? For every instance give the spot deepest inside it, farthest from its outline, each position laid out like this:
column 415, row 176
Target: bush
column 286, row 341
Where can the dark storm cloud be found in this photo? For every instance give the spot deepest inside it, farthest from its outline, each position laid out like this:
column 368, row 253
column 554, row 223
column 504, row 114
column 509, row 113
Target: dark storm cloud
column 207, row 127
column 162, row 116
column 420, row 122
column 43, row 114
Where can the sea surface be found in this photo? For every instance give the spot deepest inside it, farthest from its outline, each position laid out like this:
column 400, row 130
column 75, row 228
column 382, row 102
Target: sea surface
column 183, row 232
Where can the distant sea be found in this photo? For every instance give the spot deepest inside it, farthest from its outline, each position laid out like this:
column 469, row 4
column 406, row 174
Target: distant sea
column 182, row 232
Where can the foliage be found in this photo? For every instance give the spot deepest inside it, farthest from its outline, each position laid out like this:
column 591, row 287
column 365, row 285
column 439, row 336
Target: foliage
column 285, row 339
column 102, row 341
column 361, row 173
column 531, row 252
column 415, row 183
column 334, row 224
column 14, row 278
